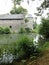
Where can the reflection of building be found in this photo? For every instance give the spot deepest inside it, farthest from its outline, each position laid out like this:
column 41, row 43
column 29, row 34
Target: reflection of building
column 29, row 24
column 14, row 22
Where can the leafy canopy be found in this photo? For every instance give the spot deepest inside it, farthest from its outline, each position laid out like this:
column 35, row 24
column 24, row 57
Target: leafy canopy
column 44, row 28
column 18, row 10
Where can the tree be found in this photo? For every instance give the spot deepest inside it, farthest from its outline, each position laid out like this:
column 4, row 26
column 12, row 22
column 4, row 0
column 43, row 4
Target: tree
column 45, row 4
column 16, row 2
column 44, row 28
column 19, row 10
column 7, row 30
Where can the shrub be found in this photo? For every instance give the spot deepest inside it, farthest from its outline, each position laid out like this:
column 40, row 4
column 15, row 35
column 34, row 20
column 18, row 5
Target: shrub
column 26, row 20
column 25, row 30
column 1, row 30
column 28, row 30
column 26, row 48
column 34, row 25
column 33, row 31
column 22, row 30
column 45, row 46
column 44, row 28
column 4, row 30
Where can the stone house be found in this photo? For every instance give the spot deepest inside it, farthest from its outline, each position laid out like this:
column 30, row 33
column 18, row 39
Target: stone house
column 29, row 24
column 14, row 22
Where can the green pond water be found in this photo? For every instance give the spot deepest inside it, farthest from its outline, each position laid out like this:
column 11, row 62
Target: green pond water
column 11, row 38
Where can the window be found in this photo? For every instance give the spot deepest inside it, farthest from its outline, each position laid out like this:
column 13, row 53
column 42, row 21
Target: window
column 10, row 26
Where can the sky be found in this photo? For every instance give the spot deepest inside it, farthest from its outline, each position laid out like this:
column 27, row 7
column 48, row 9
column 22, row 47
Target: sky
column 6, row 6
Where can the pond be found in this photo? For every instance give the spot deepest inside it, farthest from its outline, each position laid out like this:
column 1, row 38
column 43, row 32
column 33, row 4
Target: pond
column 10, row 38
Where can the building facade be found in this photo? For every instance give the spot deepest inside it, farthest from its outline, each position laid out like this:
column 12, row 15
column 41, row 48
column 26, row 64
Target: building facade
column 29, row 24
column 14, row 22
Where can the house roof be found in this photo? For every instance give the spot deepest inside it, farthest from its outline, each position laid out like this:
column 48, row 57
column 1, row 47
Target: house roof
column 12, row 17
column 29, row 16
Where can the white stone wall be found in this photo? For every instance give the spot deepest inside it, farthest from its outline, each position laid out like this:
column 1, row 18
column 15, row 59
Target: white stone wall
column 15, row 24
column 30, row 23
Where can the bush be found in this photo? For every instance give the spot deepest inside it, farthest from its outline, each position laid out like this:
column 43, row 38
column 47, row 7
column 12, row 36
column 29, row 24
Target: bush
column 45, row 46
column 1, row 30
column 34, row 25
column 26, row 20
column 33, row 31
column 4, row 30
column 25, row 30
column 26, row 48
column 28, row 30
column 44, row 28
column 22, row 30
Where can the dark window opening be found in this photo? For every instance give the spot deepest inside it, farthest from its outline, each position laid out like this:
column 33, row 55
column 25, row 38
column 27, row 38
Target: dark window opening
column 10, row 26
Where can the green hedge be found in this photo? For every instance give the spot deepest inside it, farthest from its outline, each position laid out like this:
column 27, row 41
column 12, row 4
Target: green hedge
column 4, row 30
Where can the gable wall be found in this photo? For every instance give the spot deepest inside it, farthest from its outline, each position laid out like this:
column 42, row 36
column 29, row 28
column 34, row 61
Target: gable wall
column 15, row 24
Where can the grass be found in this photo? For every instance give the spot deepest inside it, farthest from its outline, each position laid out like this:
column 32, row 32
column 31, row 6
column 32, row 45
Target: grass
column 45, row 46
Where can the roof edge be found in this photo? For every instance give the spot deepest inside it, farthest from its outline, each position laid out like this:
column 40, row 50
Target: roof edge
column 12, row 16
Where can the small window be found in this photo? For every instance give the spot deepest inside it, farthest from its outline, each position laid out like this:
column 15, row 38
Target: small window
column 10, row 26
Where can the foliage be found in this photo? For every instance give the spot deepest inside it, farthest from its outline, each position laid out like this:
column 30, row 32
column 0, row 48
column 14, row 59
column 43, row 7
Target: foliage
column 21, row 30
column 36, row 30
column 4, row 30
column 26, row 20
column 34, row 25
column 45, row 46
column 33, row 31
column 16, row 1
column 21, row 49
column 19, row 10
column 27, row 48
column 28, row 30
column 41, row 41
column 45, row 4
column 44, row 28
column 1, row 30
column 25, row 30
